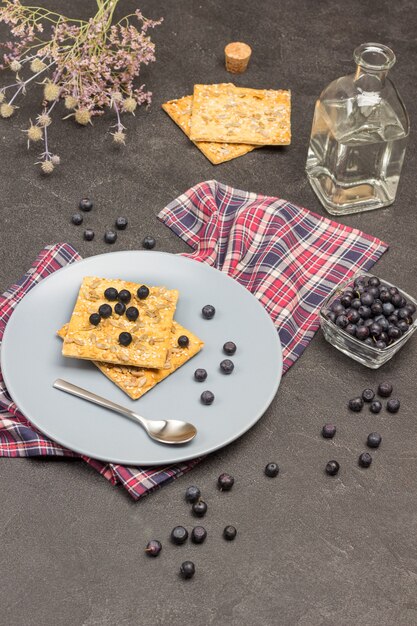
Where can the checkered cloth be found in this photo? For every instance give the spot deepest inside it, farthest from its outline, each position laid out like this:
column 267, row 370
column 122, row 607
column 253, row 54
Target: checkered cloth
column 288, row 257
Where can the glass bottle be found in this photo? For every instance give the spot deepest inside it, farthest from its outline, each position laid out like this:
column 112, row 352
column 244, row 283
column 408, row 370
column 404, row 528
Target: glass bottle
column 359, row 136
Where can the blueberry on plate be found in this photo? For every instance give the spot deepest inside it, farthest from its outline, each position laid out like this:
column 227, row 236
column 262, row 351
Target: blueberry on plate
column 199, row 508
column 385, row 389
column 85, row 204
column 227, row 366
column 198, row 534
column 183, row 341
column 132, row 313
column 187, row 569
column 356, row 404
column 149, row 243
column 125, row 339
column 332, row 468
column 200, row 375
column 208, row 311
column 374, row 440
column 328, row 431
column 119, row 308
column 393, row 405
column 110, row 236
column 368, row 395
column 192, row 494
column 229, row 533
column 121, row 223
column 229, row 348
column 153, row 548
column 143, row 292
column 207, row 397
column 125, row 296
column 271, row 470
column 179, row 535
column 105, row 310
column 111, row 294
column 365, row 459
column 95, row 319
column 89, row 234
column 77, row 219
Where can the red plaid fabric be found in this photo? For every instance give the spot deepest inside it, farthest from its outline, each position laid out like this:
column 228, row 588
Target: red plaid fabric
column 286, row 256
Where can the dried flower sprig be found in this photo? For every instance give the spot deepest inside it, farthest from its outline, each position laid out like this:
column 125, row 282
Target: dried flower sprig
column 89, row 65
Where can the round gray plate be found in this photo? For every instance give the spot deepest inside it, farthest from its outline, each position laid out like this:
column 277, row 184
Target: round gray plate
column 31, row 360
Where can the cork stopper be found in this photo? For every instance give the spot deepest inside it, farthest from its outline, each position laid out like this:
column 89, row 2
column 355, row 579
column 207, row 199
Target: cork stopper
column 237, row 55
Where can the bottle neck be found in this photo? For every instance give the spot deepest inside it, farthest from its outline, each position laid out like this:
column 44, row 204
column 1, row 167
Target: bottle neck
column 370, row 81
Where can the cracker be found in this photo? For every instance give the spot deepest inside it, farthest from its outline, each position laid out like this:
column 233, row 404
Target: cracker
column 151, row 332
column 224, row 112
column 180, row 111
column 136, row 381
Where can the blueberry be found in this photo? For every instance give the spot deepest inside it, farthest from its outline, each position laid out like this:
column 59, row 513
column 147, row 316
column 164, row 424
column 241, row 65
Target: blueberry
column 229, row 533
column 368, row 323
column 367, row 299
column 403, row 302
column 376, row 308
column 111, row 294
column 198, row 534
column 271, row 470
column 331, row 315
column 374, row 440
column 403, row 313
column 385, row 297
column 121, row 223
column 355, row 304
column 192, row 494
column 89, row 234
column 381, row 345
column 227, row 366
column 328, row 431
column 353, row 316
column 368, row 395
column 393, row 291
column 110, row 236
column 362, row 332
column 365, row 312
column 394, row 332
column 332, row 468
column 95, row 319
column 351, row 329
column 384, row 337
column 149, row 243
column 207, row 397
column 125, row 339
column 356, row 404
column 411, row 307
column 179, row 535
column 374, row 292
column 187, row 569
column 375, row 330
column 132, row 313
column 338, row 309
column 77, row 219
column 374, row 281
column 200, row 375
column 119, row 308
column 393, row 318
column 85, row 205
column 403, row 326
column 383, row 322
column 396, row 299
column 345, row 301
column 369, row 342
column 229, row 348
column 360, row 280
column 393, row 405
column 183, row 341
column 143, row 292
column 153, row 548
column 105, row 310
column 208, row 311
column 375, row 407
column 225, row 482
column 342, row 321
column 365, row 459
column 385, row 390
column 199, row 508
column 125, row 296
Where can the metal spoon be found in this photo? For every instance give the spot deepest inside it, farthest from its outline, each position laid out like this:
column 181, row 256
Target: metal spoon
column 164, row 431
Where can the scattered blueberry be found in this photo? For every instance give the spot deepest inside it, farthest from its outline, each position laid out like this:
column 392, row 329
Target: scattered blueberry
column 77, row 219
column 110, row 236
column 225, row 482
column 132, row 313
column 153, row 548
column 183, row 341
column 105, row 310
column 200, row 375
column 149, row 243
column 229, row 348
column 179, row 535
column 229, row 533
column 198, row 534
column 393, row 405
column 365, row 459
column 207, row 397
column 95, row 319
column 385, row 390
column 332, row 468
column 119, row 308
column 374, row 440
column 187, row 569
column 375, row 407
column 356, row 404
column 89, row 234
column 368, row 395
column 125, row 339
column 125, row 296
column 85, row 204
column 227, row 366
column 121, row 223
column 143, row 292
column 328, row 431
column 208, row 311
column 271, row 470
column 199, row 508
column 192, row 494
column 111, row 294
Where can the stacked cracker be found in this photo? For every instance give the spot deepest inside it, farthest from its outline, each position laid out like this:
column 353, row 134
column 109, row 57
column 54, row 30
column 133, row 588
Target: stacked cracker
column 225, row 121
column 154, row 352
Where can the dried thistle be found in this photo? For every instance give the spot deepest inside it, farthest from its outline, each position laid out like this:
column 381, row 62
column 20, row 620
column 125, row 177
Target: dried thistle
column 90, row 65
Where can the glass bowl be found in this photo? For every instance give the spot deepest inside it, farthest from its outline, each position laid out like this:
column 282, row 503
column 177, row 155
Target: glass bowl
column 368, row 355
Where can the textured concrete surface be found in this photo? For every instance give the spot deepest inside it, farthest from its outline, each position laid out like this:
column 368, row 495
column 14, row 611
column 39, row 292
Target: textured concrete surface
column 311, row 550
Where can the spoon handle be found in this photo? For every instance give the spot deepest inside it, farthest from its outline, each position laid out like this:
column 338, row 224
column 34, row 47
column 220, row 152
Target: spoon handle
column 64, row 385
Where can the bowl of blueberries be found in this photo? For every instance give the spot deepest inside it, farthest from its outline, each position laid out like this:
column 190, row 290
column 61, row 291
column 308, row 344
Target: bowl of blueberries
column 368, row 319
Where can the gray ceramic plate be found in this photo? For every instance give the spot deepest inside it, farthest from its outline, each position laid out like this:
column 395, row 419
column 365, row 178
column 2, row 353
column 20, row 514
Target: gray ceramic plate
column 31, row 360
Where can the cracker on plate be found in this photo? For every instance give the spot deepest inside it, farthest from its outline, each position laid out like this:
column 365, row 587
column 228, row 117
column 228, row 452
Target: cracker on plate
column 180, row 111
column 232, row 114
column 136, row 381
column 151, row 332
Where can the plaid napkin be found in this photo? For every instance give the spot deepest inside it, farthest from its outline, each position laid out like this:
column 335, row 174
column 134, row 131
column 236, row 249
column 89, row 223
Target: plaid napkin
column 288, row 257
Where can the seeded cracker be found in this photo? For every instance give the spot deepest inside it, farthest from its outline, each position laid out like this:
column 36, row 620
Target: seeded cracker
column 151, row 332
column 232, row 114
column 180, row 111
column 136, row 381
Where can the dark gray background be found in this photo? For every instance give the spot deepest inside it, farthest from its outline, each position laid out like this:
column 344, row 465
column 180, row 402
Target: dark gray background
column 311, row 550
